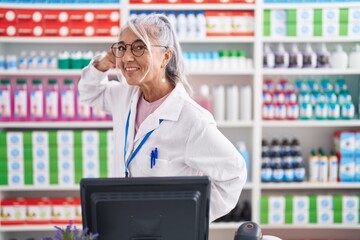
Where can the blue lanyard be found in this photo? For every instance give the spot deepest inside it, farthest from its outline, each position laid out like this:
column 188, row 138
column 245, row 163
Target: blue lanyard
column 132, row 156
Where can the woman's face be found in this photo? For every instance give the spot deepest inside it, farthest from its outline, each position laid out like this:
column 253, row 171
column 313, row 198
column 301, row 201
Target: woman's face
column 135, row 68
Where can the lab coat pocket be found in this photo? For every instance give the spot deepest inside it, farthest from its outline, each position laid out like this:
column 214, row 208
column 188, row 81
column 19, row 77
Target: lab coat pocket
column 158, row 169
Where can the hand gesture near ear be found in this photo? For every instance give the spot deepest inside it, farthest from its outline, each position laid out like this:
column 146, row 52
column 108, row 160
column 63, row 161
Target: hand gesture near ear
column 106, row 62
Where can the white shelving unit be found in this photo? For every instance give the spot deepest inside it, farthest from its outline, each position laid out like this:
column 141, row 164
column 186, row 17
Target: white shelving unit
column 250, row 131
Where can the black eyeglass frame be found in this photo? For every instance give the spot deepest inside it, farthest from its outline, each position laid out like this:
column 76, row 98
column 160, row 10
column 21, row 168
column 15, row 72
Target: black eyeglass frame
column 114, row 49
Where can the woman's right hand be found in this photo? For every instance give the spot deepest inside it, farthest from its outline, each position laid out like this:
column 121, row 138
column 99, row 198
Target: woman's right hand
column 106, row 62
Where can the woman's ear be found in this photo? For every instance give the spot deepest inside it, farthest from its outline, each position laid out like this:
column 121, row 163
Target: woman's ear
column 167, row 56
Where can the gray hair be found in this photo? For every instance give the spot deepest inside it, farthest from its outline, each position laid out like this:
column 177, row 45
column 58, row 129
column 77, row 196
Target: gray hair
column 158, row 27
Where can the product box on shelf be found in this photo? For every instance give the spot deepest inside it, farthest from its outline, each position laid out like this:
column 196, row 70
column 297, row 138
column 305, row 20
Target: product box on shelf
column 38, row 211
column 13, row 211
column 345, row 149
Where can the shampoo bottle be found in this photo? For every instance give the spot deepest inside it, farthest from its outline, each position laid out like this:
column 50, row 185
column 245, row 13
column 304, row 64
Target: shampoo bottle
column 309, row 57
column 339, row 58
column 268, row 57
column 354, row 57
column 296, row 58
column 323, row 57
column 281, row 57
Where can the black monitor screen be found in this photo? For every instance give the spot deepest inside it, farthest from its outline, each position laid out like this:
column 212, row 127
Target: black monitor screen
column 147, row 208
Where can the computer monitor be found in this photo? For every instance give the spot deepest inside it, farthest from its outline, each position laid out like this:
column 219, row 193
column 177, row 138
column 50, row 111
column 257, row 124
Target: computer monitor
column 146, row 208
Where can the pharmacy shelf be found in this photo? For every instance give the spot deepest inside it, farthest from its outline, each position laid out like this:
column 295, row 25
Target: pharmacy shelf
column 308, row 185
column 56, row 125
column 61, row 6
column 33, row 228
column 39, row 188
column 56, row 40
column 192, row 7
column 307, row 5
column 310, row 71
column 311, row 123
column 312, row 226
column 94, row 124
column 285, row 39
column 223, row 39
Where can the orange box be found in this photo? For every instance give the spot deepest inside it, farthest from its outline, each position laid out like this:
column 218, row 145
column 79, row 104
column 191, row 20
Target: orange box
column 218, row 23
column 243, row 23
column 13, row 212
column 38, row 211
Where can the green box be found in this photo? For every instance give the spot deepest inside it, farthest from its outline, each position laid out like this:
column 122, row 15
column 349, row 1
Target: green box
column 289, row 217
column 291, row 15
column 317, row 15
column 264, row 217
column 267, row 16
column 312, row 217
column 338, row 217
column 337, row 203
column 344, row 15
column 291, row 29
column 344, row 29
column 318, row 29
column 266, row 30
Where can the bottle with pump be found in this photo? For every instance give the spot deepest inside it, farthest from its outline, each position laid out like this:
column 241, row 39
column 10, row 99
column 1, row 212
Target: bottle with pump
column 295, row 57
column 269, row 57
column 309, row 57
column 36, row 100
column 204, row 98
column 354, row 57
column 245, row 154
column 201, row 24
column 67, row 102
column 323, row 57
column 6, row 108
column 281, row 57
column 52, row 101
column 339, row 58
column 21, row 100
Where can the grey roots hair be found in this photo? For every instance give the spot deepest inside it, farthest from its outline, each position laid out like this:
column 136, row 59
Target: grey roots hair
column 158, row 27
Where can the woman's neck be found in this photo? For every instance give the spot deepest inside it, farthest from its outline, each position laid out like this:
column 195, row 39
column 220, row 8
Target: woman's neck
column 155, row 92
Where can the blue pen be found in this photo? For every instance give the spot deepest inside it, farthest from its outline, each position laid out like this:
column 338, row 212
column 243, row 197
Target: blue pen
column 152, row 155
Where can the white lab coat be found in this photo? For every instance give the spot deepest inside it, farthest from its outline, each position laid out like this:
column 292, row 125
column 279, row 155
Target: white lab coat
column 188, row 140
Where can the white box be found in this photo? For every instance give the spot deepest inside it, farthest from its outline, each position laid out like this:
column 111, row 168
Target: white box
column 354, row 14
column 350, row 217
column 15, row 152
column 40, row 152
column 16, row 166
column 331, row 15
column 65, row 137
column 304, row 15
column 278, row 29
column 91, row 168
column 65, row 152
column 66, row 179
column 41, row 179
column 300, row 203
column 110, row 138
column 40, row 138
column 90, row 152
column 15, row 179
column 41, row 165
column 278, row 16
column 324, row 202
column 14, row 138
column 301, row 217
column 330, row 29
column 325, row 217
column 305, row 29
column 354, row 28
column 90, row 137
column 350, row 203
column 276, row 217
column 277, row 203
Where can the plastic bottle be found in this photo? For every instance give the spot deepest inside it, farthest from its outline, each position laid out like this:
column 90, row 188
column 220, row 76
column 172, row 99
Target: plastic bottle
column 339, row 58
column 6, row 108
column 86, row 58
column 333, row 167
column 52, row 61
column 323, row 57
column 33, row 60
column 323, row 166
column 181, row 25
column 36, row 100
column 219, row 103
column 277, row 169
column 64, row 60
column 295, row 57
column 309, row 57
column 83, row 110
column 21, row 100
column 11, row 62
column 354, row 57
column 245, row 103
column 201, row 24
column 23, row 60
column 245, row 154
column 266, row 171
column 68, row 100
column 2, row 62
column 281, row 57
column 76, row 60
column 299, row 168
column 52, row 101
column 172, row 18
column 287, row 165
column 314, row 167
column 246, row 211
column 191, row 25
column 204, row 98
column 42, row 60
column 232, row 103
column 269, row 57
column 241, row 60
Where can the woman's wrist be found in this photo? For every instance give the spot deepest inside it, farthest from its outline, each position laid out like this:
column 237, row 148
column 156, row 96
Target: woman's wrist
column 100, row 65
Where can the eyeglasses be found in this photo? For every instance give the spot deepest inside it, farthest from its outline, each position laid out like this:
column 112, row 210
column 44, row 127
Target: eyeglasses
column 137, row 48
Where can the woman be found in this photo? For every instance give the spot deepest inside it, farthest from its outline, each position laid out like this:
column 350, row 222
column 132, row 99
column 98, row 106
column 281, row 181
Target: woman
column 158, row 129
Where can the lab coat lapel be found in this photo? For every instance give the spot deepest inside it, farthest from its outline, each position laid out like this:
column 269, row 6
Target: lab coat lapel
column 131, row 133
column 169, row 110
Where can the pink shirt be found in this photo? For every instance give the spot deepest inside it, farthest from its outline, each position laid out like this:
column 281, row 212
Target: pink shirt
column 145, row 108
